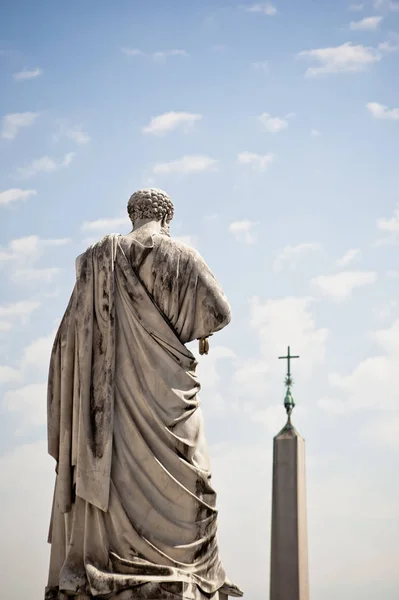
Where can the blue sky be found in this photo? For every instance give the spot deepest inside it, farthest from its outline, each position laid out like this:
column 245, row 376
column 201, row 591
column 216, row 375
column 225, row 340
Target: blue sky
column 274, row 127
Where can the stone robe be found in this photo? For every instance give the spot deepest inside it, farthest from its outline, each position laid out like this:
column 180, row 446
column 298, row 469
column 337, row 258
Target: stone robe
column 133, row 500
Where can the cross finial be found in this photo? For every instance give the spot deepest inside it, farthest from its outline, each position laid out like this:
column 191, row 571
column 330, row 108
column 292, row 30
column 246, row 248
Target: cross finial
column 289, row 357
column 289, row 400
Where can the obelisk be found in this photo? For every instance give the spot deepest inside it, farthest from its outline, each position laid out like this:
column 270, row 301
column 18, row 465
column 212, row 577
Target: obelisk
column 289, row 577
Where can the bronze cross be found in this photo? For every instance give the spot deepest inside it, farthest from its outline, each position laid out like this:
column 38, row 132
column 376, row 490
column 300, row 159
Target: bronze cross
column 288, row 357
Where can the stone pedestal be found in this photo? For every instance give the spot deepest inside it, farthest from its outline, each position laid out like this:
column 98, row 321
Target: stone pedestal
column 289, row 579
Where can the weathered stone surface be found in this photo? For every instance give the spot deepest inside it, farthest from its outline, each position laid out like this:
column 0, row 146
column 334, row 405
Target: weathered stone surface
column 148, row 591
column 134, row 504
column 289, row 546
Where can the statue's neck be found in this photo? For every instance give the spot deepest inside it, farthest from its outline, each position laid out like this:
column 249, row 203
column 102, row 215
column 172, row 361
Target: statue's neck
column 145, row 228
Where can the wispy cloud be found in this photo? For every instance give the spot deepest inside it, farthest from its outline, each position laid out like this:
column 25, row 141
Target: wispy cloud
column 21, row 255
column 77, row 135
column 275, row 124
column 259, row 162
column 389, row 226
column 315, row 133
column 170, row 121
column 105, row 224
column 29, row 249
column 389, row 46
column 341, row 285
column 379, row 111
column 243, row 231
column 19, row 310
column 26, row 74
column 264, row 8
column 366, row 24
column 133, row 52
column 348, row 257
column 13, row 122
column 8, row 374
column 291, row 254
column 389, row 5
column 160, row 56
column 45, row 164
column 347, row 58
column 262, row 66
column 187, row 164
column 356, row 7
column 33, row 275
column 15, row 195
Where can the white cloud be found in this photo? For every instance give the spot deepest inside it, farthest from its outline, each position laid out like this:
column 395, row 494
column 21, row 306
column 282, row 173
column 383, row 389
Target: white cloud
column 170, row 121
column 159, row 56
column 279, row 323
column 366, row 24
column 333, row 406
column 348, row 257
column 274, row 124
column 207, row 368
column 315, row 133
column 37, row 353
column 384, row 431
column 341, row 285
column 162, row 55
column 187, row 164
column 105, row 224
column 389, row 5
column 12, row 123
column 21, row 254
column 259, row 162
column 264, row 8
column 379, row 111
column 388, row 47
column 261, row 66
column 369, row 386
column 189, row 240
column 273, row 417
column 30, row 402
column 14, row 195
column 77, row 135
column 347, row 58
column 243, row 231
column 8, row 374
column 393, row 274
column 390, row 226
column 28, row 249
column 27, row 475
column 291, row 254
column 32, row 275
column 45, row 164
column 26, row 74
column 19, row 310
column 386, row 310
column 133, row 52
column 356, row 7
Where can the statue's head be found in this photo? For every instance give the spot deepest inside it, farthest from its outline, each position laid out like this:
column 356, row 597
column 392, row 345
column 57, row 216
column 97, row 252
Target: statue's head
column 151, row 204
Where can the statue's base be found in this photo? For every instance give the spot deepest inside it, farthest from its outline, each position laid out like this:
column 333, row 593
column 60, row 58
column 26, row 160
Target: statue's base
column 177, row 590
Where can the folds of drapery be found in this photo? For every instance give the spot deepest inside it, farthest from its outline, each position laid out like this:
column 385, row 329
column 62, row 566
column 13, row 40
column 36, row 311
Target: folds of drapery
column 124, row 422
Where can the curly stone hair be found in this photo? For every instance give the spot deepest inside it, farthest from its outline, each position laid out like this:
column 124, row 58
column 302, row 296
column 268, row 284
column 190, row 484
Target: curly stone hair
column 150, row 203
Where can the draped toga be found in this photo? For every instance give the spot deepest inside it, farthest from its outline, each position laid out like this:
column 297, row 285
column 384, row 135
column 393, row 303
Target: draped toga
column 133, row 499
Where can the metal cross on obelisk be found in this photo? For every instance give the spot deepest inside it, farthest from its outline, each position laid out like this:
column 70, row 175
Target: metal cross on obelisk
column 289, row 402
column 289, row 573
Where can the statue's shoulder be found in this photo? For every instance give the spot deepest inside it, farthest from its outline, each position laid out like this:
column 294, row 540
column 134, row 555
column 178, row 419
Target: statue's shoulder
column 168, row 245
column 105, row 242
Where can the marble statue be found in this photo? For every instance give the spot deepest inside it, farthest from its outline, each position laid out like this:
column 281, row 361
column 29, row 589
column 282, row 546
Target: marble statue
column 134, row 511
